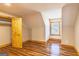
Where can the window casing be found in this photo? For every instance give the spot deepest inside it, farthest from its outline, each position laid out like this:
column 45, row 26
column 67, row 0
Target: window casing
column 55, row 27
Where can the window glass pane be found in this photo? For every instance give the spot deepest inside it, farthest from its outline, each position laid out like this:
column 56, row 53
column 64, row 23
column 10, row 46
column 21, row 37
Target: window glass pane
column 55, row 28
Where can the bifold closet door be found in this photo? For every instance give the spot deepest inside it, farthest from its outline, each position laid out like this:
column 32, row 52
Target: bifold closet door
column 17, row 32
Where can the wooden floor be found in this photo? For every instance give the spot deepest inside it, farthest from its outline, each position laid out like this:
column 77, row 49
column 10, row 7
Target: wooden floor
column 32, row 48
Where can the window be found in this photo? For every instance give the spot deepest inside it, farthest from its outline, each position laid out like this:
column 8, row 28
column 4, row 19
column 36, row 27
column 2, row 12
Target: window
column 55, row 27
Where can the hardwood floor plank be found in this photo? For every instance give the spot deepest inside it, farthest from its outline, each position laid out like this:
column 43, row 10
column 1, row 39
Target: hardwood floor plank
column 33, row 48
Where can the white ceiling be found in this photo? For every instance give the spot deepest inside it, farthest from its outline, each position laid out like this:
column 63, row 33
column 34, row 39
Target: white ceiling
column 21, row 9
column 25, row 9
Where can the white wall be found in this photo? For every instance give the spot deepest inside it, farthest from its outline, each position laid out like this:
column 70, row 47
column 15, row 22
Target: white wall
column 38, row 34
column 76, row 28
column 5, row 34
column 25, row 31
column 35, row 25
column 69, row 14
column 68, row 36
column 50, row 14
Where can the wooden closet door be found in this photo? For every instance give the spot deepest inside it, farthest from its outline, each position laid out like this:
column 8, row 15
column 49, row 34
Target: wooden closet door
column 17, row 32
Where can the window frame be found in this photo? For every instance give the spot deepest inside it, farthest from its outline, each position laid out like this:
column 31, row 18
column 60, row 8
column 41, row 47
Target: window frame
column 59, row 27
